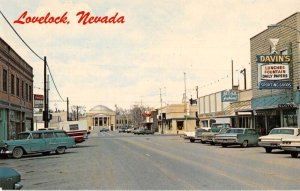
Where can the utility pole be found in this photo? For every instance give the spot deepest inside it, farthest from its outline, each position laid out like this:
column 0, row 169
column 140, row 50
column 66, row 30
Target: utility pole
column 77, row 107
column 161, row 115
column 185, row 105
column 68, row 109
column 197, row 92
column 232, row 73
column 244, row 73
column 46, row 106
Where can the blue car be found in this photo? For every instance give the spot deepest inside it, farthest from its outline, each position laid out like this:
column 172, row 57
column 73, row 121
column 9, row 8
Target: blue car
column 41, row 141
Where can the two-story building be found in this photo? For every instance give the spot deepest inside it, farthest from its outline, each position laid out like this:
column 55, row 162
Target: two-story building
column 16, row 93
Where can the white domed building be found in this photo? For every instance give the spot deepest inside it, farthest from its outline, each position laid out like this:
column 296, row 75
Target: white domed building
column 100, row 117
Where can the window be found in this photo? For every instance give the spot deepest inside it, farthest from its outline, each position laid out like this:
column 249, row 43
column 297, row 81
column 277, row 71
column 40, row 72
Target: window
column 37, row 135
column 18, row 86
column 12, row 84
column 22, row 89
column 96, row 121
column 30, row 93
column 74, row 127
column 61, row 134
column 4, row 80
column 179, row 125
column 48, row 135
column 26, row 92
column 23, row 136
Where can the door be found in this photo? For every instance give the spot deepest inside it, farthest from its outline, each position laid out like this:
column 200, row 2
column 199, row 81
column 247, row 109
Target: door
column 37, row 142
column 51, row 142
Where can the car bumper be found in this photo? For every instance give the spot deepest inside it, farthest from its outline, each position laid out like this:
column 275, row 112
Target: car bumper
column 229, row 141
column 291, row 148
column 3, row 151
column 18, row 186
column 269, row 144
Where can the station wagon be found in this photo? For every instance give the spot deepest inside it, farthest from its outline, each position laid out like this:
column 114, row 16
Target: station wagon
column 41, row 141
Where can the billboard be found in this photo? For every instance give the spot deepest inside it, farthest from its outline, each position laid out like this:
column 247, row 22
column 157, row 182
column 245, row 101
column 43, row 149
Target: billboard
column 273, row 71
column 38, row 101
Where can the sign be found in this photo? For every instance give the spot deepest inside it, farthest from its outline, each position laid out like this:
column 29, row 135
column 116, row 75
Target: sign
column 38, row 101
column 273, row 58
column 269, row 84
column 287, row 105
column 275, row 72
column 229, row 96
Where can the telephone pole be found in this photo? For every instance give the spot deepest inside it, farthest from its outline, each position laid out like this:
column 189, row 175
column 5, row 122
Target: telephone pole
column 46, row 106
column 161, row 115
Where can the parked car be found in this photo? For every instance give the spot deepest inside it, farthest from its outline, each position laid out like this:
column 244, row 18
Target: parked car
column 291, row 145
column 210, row 135
column 122, row 129
column 41, row 141
column 104, row 129
column 143, row 130
column 238, row 136
column 274, row 138
column 191, row 135
column 131, row 130
column 198, row 133
column 10, row 179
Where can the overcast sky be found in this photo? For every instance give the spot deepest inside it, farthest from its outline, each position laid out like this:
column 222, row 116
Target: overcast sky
column 126, row 64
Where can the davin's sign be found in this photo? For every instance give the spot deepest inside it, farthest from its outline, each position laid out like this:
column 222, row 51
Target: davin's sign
column 273, row 69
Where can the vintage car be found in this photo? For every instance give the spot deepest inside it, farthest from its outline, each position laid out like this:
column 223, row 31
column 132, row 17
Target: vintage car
column 10, row 179
column 41, row 141
column 209, row 137
column 291, row 145
column 197, row 135
column 274, row 138
column 238, row 136
column 142, row 131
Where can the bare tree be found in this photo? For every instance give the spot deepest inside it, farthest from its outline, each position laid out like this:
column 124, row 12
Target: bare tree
column 77, row 111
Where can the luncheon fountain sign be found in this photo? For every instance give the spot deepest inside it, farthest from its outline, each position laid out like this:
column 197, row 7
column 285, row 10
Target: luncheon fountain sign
column 273, row 69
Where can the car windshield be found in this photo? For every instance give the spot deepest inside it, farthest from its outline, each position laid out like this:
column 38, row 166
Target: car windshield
column 217, row 126
column 235, row 131
column 23, row 135
column 215, row 129
column 282, row 131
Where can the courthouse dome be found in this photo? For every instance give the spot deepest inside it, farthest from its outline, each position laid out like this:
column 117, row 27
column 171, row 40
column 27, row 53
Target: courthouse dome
column 101, row 109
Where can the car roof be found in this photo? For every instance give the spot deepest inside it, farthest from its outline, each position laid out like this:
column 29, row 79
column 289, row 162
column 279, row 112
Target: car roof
column 44, row 130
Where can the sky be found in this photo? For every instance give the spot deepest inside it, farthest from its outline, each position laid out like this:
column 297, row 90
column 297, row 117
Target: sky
column 163, row 47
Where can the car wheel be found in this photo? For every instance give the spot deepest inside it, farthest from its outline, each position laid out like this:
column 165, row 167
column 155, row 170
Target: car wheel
column 268, row 150
column 244, row 144
column 203, row 142
column 60, row 150
column 294, row 154
column 17, row 152
column 224, row 145
column 212, row 143
column 192, row 140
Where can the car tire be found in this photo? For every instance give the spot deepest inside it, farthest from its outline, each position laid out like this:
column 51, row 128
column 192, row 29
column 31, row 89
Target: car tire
column 294, row 154
column 192, row 140
column 224, row 145
column 203, row 142
column 212, row 143
column 60, row 150
column 244, row 144
column 268, row 150
column 17, row 152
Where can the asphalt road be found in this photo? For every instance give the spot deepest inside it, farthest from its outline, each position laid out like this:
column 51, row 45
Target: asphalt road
column 149, row 162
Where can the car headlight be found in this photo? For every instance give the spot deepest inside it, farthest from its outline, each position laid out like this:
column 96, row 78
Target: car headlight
column 5, row 146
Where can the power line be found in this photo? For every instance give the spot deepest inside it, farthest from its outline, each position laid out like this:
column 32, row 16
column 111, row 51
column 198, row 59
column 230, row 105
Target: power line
column 33, row 53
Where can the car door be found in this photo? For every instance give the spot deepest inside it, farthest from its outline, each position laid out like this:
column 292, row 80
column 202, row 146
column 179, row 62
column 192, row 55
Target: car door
column 253, row 136
column 37, row 142
column 50, row 139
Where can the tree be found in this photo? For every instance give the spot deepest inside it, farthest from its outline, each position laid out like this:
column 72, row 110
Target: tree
column 77, row 111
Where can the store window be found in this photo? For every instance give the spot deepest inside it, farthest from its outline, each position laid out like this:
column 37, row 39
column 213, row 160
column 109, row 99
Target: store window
column 289, row 118
column 179, row 125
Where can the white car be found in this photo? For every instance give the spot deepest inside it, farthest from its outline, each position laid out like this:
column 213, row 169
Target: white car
column 292, row 145
column 275, row 137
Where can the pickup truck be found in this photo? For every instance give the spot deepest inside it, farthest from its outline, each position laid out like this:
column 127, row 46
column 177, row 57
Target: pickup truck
column 238, row 136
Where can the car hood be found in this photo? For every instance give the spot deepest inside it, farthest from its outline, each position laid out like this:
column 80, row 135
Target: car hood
column 227, row 135
column 208, row 134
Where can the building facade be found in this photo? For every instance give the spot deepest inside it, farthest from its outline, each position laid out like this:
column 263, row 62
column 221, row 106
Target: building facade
column 177, row 118
column 16, row 93
column 276, row 102
column 100, row 117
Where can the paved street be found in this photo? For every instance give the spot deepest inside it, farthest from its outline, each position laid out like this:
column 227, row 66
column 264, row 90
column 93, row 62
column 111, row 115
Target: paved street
column 126, row 161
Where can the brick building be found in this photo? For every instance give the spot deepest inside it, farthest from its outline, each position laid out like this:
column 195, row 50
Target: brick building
column 274, row 105
column 16, row 90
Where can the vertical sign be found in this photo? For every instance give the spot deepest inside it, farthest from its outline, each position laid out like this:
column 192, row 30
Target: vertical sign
column 38, row 101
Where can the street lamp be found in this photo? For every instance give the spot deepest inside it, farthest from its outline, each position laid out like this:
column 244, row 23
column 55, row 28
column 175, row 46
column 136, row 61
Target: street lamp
column 286, row 26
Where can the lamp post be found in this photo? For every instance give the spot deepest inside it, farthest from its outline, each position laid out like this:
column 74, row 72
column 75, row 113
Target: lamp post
column 286, row 26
